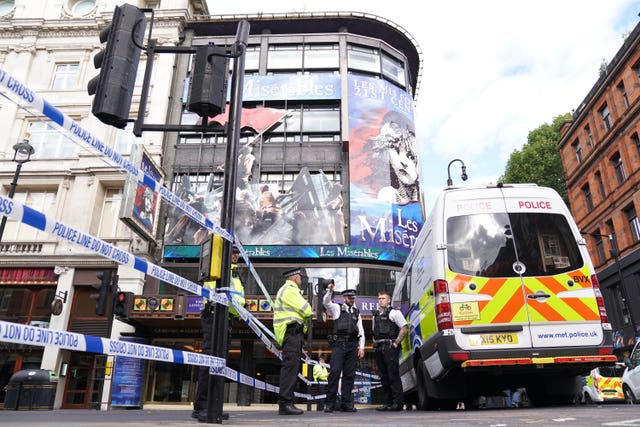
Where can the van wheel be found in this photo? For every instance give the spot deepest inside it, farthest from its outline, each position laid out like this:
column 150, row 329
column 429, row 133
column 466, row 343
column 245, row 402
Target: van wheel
column 425, row 402
column 629, row 398
column 587, row 399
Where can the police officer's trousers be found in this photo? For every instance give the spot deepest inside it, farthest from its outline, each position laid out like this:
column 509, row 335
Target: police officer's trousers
column 344, row 359
column 291, row 353
column 389, row 371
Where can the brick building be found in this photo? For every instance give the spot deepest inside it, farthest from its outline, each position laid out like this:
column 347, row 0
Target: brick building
column 600, row 151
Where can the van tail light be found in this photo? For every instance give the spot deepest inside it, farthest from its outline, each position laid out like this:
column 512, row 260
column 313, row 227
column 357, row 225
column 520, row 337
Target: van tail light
column 444, row 317
column 599, row 300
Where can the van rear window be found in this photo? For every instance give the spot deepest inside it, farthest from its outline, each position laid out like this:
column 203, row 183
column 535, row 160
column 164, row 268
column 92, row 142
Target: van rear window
column 489, row 245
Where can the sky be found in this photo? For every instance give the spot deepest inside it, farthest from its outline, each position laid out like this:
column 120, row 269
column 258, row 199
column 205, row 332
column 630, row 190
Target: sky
column 493, row 70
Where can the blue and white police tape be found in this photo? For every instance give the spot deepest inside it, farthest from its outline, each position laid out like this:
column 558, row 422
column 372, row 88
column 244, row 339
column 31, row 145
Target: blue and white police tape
column 15, row 210
column 40, row 337
column 238, row 377
column 30, row 97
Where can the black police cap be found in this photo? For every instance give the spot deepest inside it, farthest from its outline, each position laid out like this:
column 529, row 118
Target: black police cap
column 349, row 293
column 293, row 272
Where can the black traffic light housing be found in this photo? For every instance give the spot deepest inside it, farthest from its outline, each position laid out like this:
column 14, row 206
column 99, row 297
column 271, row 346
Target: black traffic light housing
column 122, row 304
column 118, row 64
column 104, row 291
column 208, row 92
column 210, row 267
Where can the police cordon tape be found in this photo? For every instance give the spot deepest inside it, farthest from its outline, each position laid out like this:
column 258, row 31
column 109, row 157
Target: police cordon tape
column 19, row 212
column 40, row 337
column 30, row 335
column 42, row 106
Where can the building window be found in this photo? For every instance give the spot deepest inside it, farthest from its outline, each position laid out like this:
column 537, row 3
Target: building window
column 636, row 69
column 634, row 223
column 321, row 56
column 110, row 224
column 65, row 76
column 606, row 118
column 599, row 247
column 587, row 131
column 40, row 200
column 587, row 197
column 82, row 7
column 623, row 94
column 621, row 303
column 603, row 195
column 284, row 57
column 363, row 59
column 49, row 142
column 636, row 142
column 616, row 161
column 613, row 239
column 578, row 150
column 251, row 59
column 6, row 7
column 393, row 70
column 125, row 139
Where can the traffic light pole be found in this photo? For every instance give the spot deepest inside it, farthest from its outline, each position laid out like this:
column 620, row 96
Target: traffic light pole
column 219, row 328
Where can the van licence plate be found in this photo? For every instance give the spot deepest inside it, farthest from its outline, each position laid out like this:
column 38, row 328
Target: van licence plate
column 493, row 339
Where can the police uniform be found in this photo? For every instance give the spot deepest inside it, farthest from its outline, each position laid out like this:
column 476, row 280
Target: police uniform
column 291, row 313
column 320, row 373
column 237, row 293
column 347, row 338
column 386, row 326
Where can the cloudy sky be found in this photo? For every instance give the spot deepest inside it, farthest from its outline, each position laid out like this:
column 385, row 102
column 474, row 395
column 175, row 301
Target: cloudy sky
column 493, row 70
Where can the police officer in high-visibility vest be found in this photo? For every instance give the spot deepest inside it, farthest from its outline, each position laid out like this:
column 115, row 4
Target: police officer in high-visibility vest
column 389, row 329
column 291, row 314
column 347, row 346
column 321, row 373
column 236, row 292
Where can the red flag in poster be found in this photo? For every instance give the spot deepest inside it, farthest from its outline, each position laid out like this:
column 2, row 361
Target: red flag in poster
column 259, row 119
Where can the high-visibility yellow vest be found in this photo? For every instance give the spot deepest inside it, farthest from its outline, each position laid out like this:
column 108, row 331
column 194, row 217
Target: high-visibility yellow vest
column 320, row 373
column 289, row 307
column 236, row 292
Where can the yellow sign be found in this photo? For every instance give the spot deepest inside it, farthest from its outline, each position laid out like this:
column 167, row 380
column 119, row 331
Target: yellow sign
column 465, row 311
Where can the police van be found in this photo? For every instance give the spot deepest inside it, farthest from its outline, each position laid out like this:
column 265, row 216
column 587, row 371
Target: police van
column 502, row 294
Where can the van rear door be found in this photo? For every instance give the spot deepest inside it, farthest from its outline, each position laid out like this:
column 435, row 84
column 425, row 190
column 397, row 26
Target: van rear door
column 516, row 276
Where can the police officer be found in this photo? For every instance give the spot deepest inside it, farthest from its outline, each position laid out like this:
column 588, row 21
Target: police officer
column 321, row 373
column 291, row 314
column 347, row 346
column 389, row 329
column 237, row 293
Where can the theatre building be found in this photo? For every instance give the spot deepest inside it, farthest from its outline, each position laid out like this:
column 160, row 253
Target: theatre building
column 327, row 180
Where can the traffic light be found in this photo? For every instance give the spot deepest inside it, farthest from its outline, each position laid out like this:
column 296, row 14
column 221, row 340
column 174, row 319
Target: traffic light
column 210, row 267
column 122, row 304
column 118, row 65
column 104, row 289
column 208, row 92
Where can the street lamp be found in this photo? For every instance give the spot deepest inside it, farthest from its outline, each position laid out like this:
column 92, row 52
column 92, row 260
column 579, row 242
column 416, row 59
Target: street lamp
column 22, row 154
column 614, row 254
column 464, row 172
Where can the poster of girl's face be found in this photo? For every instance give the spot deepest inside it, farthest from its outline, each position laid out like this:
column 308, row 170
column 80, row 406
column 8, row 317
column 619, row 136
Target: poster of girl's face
column 383, row 166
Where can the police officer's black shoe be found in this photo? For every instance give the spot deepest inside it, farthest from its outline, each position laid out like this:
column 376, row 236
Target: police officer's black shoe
column 395, row 407
column 383, row 408
column 202, row 416
column 194, row 414
column 328, row 409
column 289, row 409
column 349, row 409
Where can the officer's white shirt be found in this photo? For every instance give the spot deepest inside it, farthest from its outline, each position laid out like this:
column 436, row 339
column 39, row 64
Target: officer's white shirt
column 333, row 310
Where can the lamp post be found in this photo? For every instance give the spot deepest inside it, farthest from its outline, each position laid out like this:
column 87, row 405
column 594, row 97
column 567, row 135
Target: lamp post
column 464, row 172
column 614, row 254
column 22, row 154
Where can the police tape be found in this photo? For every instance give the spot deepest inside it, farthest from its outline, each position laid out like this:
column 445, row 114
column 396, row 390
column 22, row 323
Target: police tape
column 40, row 337
column 247, row 380
column 19, row 212
column 42, row 106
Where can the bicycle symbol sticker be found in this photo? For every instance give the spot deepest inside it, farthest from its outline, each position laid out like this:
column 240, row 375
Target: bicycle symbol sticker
column 468, row 310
